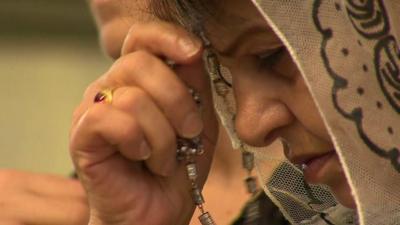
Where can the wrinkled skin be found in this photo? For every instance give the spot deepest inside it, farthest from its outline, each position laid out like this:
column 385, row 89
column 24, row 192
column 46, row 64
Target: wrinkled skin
column 272, row 99
column 124, row 152
column 128, row 183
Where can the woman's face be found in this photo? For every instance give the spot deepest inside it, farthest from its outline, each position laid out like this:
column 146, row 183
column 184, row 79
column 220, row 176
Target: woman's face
column 271, row 95
column 272, row 99
column 114, row 19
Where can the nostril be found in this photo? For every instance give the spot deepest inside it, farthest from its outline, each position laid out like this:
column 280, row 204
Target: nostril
column 271, row 137
column 262, row 125
column 251, row 132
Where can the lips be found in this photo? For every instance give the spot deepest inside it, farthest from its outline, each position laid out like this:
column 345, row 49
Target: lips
column 313, row 164
column 317, row 169
column 309, row 159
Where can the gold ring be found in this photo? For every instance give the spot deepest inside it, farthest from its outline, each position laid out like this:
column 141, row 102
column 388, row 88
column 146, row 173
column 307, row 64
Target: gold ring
column 105, row 95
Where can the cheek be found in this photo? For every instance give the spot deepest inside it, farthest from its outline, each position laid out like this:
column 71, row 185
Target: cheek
column 304, row 109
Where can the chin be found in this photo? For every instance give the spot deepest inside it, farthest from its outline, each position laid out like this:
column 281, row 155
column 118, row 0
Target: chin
column 343, row 193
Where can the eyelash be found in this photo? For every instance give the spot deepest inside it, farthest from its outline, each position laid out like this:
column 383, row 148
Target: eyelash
column 270, row 58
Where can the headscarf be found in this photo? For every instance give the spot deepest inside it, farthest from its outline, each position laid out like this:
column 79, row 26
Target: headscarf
column 348, row 52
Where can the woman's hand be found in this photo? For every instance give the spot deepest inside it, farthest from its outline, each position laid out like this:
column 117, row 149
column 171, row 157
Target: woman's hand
column 125, row 151
column 38, row 199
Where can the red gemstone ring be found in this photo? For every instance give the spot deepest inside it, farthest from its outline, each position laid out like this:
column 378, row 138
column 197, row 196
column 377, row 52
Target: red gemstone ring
column 105, row 95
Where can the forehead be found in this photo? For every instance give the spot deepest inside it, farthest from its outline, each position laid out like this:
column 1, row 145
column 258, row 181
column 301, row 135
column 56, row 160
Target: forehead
column 106, row 10
column 234, row 11
column 231, row 18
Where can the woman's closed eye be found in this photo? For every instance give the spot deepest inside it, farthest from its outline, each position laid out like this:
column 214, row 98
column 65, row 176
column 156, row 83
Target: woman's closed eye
column 270, row 58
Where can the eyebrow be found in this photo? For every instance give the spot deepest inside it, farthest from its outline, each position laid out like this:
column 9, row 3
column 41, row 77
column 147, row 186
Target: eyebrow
column 243, row 36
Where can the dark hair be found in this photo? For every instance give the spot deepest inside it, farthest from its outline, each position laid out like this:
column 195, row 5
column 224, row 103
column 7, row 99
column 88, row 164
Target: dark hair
column 188, row 13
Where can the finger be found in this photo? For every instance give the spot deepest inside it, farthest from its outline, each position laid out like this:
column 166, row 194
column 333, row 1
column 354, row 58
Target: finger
column 163, row 39
column 103, row 131
column 88, row 98
column 158, row 132
column 196, row 77
column 62, row 210
column 170, row 93
column 52, row 185
column 49, row 197
column 168, row 41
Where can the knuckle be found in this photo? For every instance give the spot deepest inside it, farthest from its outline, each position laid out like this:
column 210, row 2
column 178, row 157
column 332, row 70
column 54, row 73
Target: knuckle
column 136, row 96
column 131, row 132
column 93, row 86
column 140, row 58
column 126, row 67
column 94, row 114
column 86, row 123
column 176, row 100
column 168, row 143
column 130, row 99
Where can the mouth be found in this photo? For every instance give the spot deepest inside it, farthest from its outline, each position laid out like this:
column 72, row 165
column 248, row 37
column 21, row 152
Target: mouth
column 313, row 166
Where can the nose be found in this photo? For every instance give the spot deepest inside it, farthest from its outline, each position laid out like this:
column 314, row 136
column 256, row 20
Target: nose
column 261, row 115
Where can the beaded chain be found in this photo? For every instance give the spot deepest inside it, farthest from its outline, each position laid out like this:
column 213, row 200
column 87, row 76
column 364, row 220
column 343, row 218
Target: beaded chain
column 252, row 214
column 188, row 149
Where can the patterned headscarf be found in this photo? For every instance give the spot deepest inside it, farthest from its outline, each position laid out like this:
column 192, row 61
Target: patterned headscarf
column 348, row 52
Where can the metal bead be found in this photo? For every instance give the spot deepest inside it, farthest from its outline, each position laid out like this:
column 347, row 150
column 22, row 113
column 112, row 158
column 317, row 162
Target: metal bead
column 192, row 151
column 251, row 184
column 180, row 157
column 191, row 171
column 196, row 140
column 220, row 88
column 197, row 99
column 184, row 148
column 252, row 213
column 195, row 96
column 248, row 160
column 212, row 61
column 197, row 196
column 170, row 63
column 200, row 150
column 303, row 166
column 212, row 64
column 206, row 219
column 181, row 153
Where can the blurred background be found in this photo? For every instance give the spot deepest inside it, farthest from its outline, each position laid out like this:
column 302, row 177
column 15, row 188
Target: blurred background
column 48, row 54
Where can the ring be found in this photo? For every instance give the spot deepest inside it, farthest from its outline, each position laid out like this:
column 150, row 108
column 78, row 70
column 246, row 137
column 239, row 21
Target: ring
column 105, row 95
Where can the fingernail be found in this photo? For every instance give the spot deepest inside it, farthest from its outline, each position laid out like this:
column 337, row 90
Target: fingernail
column 192, row 125
column 189, row 46
column 144, row 151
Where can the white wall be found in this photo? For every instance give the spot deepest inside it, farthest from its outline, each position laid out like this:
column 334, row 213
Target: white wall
column 41, row 81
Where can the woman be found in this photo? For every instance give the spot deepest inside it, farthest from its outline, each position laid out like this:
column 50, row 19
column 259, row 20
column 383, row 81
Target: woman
column 314, row 74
